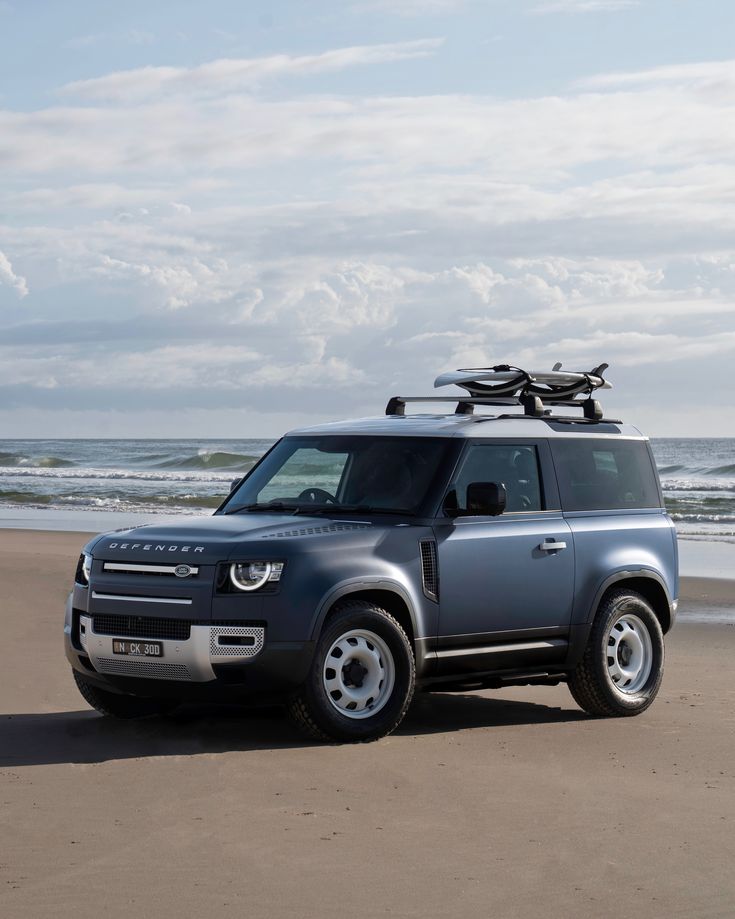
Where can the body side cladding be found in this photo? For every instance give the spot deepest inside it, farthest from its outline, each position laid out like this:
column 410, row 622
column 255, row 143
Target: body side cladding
column 469, row 641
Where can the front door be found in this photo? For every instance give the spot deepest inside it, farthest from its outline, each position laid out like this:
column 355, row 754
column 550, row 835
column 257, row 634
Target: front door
column 506, row 582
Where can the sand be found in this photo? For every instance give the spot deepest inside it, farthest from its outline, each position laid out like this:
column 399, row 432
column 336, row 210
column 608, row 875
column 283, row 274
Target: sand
column 506, row 804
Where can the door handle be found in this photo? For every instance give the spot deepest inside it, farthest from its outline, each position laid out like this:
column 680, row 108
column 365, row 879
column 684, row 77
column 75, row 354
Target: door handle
column 551, row 545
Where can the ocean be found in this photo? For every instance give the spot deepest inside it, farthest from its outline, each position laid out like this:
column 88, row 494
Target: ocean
column 193, row 476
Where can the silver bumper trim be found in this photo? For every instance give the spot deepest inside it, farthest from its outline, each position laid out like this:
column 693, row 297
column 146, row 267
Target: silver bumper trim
column 189, row 660
column 501, row 649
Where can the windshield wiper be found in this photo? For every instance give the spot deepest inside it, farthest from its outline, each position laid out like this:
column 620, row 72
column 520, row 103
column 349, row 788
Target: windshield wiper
column 321, row 510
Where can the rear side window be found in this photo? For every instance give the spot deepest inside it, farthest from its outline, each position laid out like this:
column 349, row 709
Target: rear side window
column 604, row 474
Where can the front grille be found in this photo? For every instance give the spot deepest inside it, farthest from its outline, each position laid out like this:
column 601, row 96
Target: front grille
column 429, row 569
column 123, row 568
column 153, row 669
column 142, row 627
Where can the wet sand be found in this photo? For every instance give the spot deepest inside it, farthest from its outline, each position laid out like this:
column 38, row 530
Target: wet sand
column 510, row 803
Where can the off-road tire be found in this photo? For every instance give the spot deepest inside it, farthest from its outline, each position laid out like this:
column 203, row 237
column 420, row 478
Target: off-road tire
column 311, row 708
column 114, row 705
column 591, row 684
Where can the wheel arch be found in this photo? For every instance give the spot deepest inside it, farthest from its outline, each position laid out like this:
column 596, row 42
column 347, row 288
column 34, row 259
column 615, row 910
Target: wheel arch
column 389, row 595
column 645, row 581
column 649, row 584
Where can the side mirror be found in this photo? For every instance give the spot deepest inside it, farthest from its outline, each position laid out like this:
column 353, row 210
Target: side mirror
column 485, row 499
column 234, row 483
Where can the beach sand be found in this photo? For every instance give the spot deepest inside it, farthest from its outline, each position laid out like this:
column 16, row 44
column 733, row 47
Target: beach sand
column 510, row 803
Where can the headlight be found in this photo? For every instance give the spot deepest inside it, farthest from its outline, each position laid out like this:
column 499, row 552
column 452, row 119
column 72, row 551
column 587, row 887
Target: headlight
column 84, row 569
column 253, row 575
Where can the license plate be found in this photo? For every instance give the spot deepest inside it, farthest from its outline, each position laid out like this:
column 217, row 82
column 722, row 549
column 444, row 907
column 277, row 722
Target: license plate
column 137, row 648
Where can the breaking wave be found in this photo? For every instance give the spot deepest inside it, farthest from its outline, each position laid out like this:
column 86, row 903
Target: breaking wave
column 36, row 462
column 210, row 460
column 120, row 501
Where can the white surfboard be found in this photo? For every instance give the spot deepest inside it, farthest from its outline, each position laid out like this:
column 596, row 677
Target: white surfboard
column 550, row 378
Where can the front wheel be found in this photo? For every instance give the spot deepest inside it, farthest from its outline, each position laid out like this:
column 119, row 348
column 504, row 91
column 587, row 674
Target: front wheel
column 120, row 706
column 362, row 677
column 621, row 670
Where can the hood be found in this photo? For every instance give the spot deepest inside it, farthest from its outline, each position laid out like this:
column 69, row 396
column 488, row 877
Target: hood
column 217, row 538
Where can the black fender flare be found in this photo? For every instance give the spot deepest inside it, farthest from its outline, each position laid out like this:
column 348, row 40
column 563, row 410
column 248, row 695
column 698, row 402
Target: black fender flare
column 360, row 585
column 579, row 632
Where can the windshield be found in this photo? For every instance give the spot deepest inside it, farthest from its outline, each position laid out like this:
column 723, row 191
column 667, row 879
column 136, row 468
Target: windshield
column 339, row 473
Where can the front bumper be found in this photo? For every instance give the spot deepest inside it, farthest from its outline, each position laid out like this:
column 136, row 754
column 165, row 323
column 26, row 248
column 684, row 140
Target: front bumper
column 190, row 660
column 205, row 665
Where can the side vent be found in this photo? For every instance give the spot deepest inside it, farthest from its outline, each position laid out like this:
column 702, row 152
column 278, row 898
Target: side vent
column 429, row 569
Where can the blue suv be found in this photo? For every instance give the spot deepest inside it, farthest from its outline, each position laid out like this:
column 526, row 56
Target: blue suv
column 362, row 561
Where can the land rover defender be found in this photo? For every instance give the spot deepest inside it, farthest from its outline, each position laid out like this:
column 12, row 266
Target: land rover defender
column 361, row 561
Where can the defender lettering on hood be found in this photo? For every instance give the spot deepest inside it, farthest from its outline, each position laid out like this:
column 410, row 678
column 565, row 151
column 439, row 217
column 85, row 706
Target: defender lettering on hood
column 152, row 547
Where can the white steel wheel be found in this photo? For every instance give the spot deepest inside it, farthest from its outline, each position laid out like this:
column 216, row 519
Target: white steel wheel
column 359, row 674
column 362, row 676
column 629, row 654
column 620, row 671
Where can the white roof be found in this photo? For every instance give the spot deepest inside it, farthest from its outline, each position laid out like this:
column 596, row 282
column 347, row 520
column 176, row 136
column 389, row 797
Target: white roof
column 478, row 425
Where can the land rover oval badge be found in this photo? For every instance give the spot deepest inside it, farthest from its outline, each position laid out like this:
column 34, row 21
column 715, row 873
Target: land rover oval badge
column 182, row 571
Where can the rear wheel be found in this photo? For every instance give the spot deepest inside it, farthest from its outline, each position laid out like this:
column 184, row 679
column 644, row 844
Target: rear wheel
column 362, row 677
column 623, row 663
column 118, row 706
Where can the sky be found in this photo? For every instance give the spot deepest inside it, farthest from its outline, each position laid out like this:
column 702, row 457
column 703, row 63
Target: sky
column 231, row 219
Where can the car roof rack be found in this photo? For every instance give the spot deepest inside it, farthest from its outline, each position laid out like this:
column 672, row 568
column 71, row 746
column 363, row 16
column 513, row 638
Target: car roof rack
column 505, row 385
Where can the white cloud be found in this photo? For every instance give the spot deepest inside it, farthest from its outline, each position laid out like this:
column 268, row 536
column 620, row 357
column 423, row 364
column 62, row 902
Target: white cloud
column 180, row 208
column 584, row 6
column 697, row 75
column 536, row 142
column 90, row 195
column 347, row 297
column 353, row 245
column 8, row 276
column 227, row 75
column 218, row 367
column 180, row 280
column 628, row 349
column 364, row 329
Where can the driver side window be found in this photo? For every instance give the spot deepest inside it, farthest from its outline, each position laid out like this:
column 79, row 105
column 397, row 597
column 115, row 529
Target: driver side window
column 513, row 465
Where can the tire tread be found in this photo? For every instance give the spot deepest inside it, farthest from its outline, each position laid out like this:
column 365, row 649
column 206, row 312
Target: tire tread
column 300, row 709
column 586, row 682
